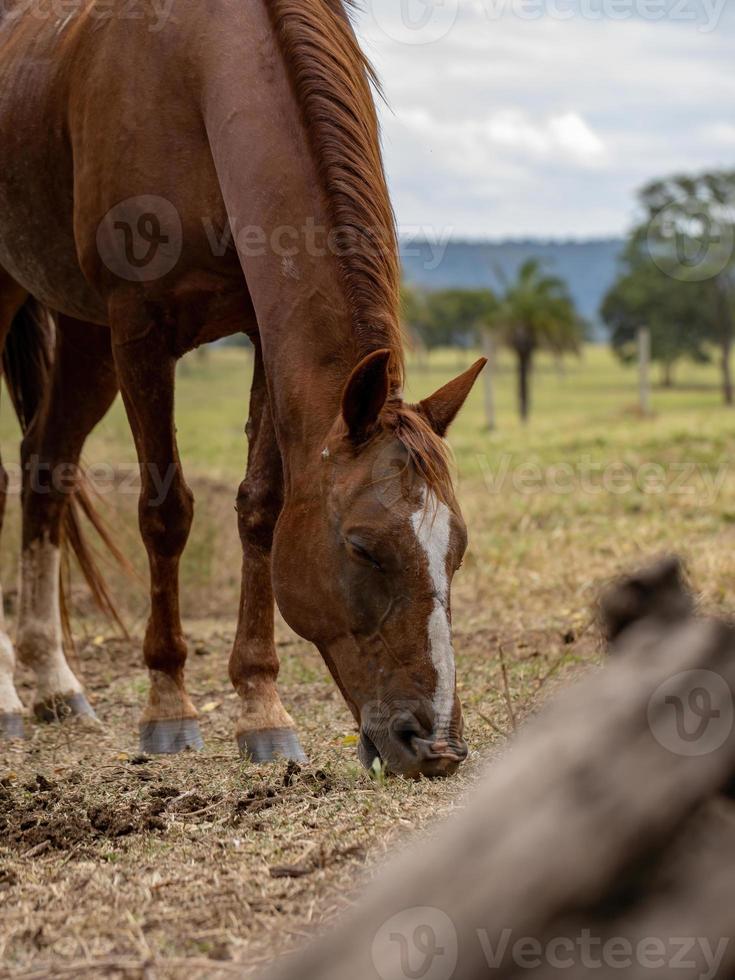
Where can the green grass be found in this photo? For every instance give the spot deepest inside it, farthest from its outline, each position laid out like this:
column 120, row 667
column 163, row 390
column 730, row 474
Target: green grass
column 587, row 407
column 534, row 495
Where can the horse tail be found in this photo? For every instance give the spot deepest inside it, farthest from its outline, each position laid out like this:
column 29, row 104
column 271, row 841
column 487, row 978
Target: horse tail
column 27, row 358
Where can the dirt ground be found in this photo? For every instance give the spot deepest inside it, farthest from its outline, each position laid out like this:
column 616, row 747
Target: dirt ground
column 117, row 865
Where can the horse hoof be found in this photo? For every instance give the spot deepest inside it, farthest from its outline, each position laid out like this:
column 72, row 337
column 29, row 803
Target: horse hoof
column 270, row 744
column 11, row 727
column 170, row 736
column 63, row 707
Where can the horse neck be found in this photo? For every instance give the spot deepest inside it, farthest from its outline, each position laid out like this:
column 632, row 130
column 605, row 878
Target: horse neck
column 280, row 222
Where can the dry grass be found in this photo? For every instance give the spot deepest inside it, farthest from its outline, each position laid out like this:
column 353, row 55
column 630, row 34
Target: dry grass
column 111, row 865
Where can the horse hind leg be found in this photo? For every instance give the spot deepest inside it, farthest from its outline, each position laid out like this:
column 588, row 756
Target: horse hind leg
column 12, row 298
column 81, row 387
column 11, row 707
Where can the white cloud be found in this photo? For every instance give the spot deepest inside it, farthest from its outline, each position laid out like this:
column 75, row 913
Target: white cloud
column 722, row 133
column 514, row 127
column 472, row 142
column 572, row 134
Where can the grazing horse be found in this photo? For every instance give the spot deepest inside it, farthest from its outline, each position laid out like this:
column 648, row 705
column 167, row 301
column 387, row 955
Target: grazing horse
column 168, row 182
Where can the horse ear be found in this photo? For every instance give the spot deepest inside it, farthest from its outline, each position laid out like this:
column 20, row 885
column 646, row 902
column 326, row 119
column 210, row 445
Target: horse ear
column 442, row 407
column 365, row 393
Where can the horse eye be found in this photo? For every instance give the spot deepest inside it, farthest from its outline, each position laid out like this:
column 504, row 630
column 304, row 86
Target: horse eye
column 360, row 552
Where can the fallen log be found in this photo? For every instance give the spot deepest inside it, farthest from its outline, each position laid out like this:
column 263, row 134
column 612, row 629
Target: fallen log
column 603, row 842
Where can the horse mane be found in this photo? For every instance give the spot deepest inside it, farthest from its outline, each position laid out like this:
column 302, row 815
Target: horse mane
column 332, row 81
column 428, row 452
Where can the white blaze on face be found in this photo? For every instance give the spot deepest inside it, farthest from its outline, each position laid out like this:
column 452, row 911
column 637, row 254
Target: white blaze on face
column 10, row 703
column 39, row 622
column 431, row 525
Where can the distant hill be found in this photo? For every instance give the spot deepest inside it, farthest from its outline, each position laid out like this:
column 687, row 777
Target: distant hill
column 589, row 268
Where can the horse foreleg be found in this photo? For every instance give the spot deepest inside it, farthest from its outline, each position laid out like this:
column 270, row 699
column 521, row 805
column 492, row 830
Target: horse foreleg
column 146, row 369
column 81, row 389
column 264, row 730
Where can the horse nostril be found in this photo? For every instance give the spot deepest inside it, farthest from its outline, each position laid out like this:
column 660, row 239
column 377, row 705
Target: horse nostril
column 456, row 748
column 440, row 757
column 407, row 731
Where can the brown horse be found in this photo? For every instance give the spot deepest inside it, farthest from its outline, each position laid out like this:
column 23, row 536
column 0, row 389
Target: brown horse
column 164, row 184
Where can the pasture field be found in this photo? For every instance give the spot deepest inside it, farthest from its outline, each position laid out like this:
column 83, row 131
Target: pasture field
column 121, row 866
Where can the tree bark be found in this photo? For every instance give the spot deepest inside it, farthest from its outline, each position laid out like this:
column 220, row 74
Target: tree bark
column 726, row 337
column 668, row 374
column 525, row 363
column 488, row 379
column 644, row 373
column 727, row 386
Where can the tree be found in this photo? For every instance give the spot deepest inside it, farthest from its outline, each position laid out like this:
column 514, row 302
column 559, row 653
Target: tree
column 448, row 317
column 536, row 312
column 414, row 315
column 466, row 316
column 453, row 318
column 674, row 312
column 689, row 232
column 488, row 376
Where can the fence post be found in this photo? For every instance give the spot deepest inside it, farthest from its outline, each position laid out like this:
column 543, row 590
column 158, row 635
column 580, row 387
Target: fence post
column 644, row 370
column 488, row 378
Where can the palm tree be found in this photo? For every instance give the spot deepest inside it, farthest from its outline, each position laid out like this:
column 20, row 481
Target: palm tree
column 536, row 312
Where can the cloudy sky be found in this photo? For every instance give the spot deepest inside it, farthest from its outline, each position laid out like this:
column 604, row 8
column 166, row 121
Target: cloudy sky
column 542, row 117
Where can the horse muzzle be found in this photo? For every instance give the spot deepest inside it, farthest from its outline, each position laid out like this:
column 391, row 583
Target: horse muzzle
column 410, row 755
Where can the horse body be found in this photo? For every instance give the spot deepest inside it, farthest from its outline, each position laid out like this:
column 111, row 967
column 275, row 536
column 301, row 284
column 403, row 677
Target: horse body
column 81, row 139
column 238, row 204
